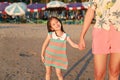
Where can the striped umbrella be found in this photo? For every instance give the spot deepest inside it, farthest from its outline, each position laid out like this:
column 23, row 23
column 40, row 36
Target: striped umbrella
column 36, row 7
column 75, row 6
column 56, row 4
column 16, row 9
column 3, row 5
column 86, row 4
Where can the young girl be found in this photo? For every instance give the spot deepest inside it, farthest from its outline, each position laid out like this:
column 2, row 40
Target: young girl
column 54, row 48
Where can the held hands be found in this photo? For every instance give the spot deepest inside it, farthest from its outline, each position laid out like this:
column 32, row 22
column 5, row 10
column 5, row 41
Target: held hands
column 76, row 46
column 82, row 44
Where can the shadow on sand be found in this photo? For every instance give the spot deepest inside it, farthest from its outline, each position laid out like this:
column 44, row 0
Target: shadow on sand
column 83, row 67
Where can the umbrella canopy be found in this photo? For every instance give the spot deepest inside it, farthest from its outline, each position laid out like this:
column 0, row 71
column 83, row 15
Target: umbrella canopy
column 86, row 4
column 75, row 6
column 3, row 5
column 16, row 9
column 56, row 4
column 36, row 7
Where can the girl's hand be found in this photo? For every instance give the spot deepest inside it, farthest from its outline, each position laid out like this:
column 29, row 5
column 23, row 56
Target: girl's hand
column 72, row 43
column 82, row 44
column 43, row 59
column 76, row 46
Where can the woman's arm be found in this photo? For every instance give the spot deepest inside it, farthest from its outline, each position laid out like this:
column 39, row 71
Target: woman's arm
column 72, row 43
column 88, row 18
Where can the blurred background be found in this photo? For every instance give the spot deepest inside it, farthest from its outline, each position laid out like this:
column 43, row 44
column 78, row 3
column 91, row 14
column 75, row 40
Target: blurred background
column 38, row 11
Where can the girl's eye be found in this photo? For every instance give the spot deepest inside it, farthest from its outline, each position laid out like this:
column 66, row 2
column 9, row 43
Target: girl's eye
column 57, row 21
column 53, row 24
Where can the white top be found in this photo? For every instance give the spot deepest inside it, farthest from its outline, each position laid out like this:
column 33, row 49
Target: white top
column 63, row 37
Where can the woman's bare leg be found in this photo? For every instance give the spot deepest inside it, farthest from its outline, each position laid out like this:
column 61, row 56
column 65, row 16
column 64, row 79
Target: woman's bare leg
column 100, row 62
column 114, row 66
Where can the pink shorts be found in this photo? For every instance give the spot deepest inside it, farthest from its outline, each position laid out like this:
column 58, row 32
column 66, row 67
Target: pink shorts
column 105, row 42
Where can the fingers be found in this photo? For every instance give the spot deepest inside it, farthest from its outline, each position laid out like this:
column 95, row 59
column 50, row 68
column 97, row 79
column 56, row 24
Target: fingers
column 43, row 59
column 82, row 45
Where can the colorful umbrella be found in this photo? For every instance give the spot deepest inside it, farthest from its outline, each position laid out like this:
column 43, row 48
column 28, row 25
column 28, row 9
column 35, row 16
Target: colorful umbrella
column 86, row 4
column 56, row 4
column 3, row 5
column 16, row 9
column 36, row 7
column 75, row 6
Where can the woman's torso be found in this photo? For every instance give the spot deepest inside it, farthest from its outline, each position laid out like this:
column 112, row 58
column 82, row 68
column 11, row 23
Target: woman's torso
column 107, row 13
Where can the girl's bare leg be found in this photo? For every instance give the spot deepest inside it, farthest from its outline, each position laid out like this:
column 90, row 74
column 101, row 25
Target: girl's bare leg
column 114, row 66
column 48, row 72
column 59, row 74
column 100, row 61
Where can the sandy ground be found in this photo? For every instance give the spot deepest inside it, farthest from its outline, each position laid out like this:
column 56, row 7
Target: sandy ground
column 20, row 47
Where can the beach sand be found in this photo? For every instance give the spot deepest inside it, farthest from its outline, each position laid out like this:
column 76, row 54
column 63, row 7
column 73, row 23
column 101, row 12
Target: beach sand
column 20, row 47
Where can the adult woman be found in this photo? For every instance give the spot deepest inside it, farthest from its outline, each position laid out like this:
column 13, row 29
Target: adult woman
column 106, row 37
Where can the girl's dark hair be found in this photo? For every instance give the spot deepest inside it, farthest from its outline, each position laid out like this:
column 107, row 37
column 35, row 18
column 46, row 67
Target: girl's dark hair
column 49, row 24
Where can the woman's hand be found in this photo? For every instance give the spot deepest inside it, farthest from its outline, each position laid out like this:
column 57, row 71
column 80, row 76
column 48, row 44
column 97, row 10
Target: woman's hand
column 82, row 44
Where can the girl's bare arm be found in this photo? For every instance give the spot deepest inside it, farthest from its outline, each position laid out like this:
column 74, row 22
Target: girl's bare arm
column 72, row 43
column 45, row 45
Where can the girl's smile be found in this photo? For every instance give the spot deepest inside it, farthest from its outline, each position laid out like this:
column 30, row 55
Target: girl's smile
column 55, row 25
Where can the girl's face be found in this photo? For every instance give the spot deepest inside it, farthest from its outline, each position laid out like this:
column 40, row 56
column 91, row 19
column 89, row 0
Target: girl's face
column 55, row 25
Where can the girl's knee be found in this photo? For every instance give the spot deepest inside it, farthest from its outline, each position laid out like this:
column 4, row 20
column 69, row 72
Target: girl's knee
column 58, row 73
column 48, row 72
